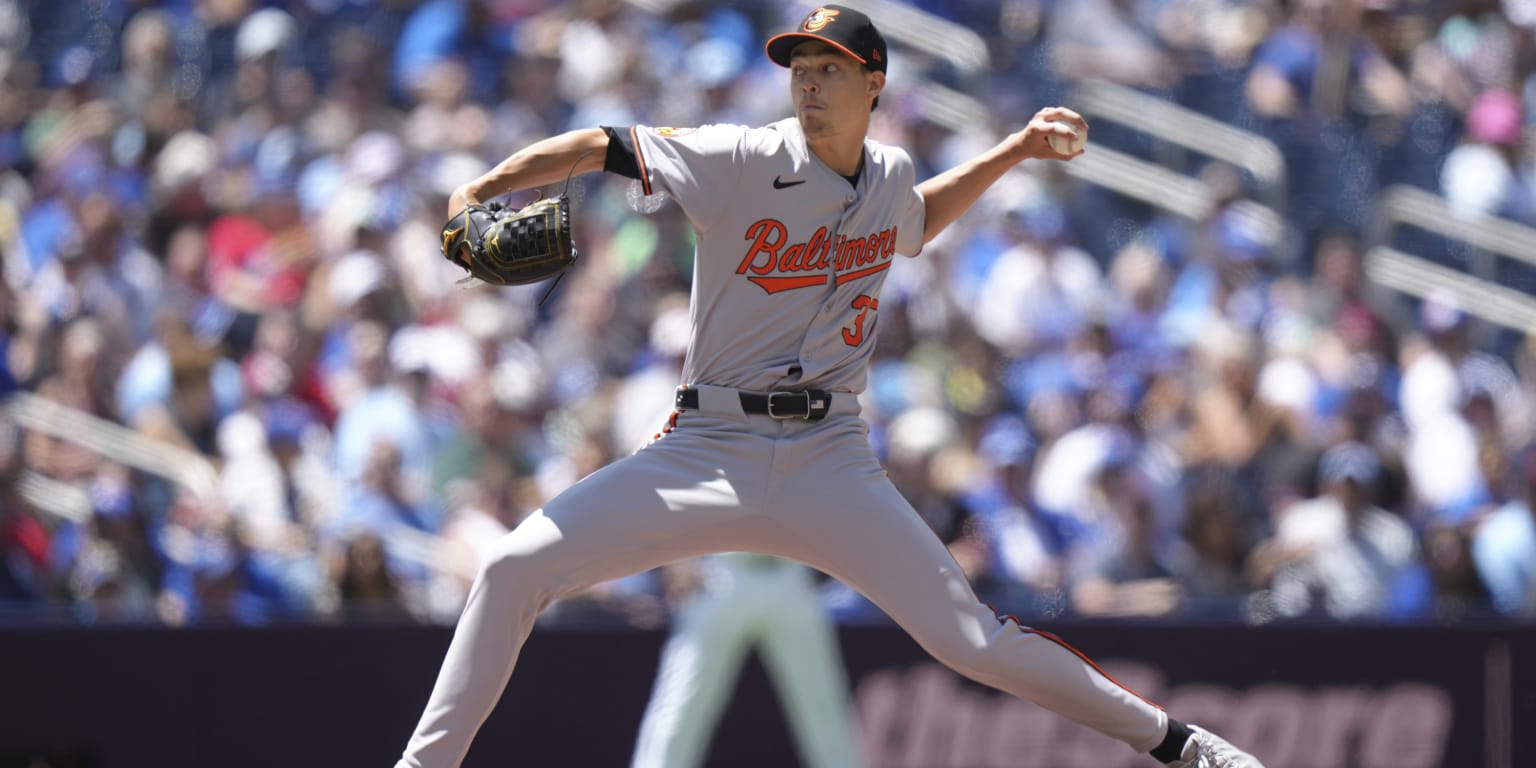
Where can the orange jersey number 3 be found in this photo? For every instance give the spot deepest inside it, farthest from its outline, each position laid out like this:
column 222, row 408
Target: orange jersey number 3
column 855, row 336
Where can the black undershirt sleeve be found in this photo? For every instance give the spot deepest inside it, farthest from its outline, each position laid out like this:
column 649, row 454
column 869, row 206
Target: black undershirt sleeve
column 621, row 154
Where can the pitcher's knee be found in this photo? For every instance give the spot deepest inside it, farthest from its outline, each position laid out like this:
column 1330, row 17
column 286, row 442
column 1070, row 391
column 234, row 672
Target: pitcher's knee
column 979, row 660
column 516, row 563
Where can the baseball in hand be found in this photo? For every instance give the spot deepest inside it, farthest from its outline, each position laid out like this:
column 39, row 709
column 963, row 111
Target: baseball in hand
column 1064, row 145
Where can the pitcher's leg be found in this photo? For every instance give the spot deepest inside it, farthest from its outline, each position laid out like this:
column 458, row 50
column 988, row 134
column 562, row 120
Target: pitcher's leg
column 698, row 670
column 663, row 504
column 490, row 634
column 853, row 524
column 895, row 560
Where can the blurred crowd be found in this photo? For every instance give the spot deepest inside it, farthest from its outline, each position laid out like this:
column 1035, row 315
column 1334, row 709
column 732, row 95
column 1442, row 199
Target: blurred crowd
column 220, row 230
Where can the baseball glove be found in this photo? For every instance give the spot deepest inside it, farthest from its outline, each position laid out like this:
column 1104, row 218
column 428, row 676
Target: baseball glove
column 506, row 247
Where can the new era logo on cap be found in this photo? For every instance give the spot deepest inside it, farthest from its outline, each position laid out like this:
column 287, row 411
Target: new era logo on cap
column 846, row 29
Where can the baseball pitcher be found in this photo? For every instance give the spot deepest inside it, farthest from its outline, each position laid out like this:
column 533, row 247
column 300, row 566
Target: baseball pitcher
column 797, row 223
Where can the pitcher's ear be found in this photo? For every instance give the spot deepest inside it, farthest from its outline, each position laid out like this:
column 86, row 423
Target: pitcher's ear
column 876, row 83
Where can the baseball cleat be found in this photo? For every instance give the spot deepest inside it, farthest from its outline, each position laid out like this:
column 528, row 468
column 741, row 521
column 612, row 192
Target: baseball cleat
column 1207, row 750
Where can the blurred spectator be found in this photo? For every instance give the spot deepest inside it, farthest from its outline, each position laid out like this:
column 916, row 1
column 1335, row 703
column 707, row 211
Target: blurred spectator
column 112, row 579
column 656, row 377
column 381, row 502
column 351, row 304
column 300, row 444
column 1317, row 83
column 1107, row 39
column 266, row 508
column 1138, row 283
column 923, row 465
column 148, row 64
column 280, row 365
column 1338, row 284
column 1227, row 280
column 97, row 270
column 13, row 344
column 1449, row 588
column 1225, row 30
column 258, row 260
column 1313, row 64
column 185, row 388
column 445, row 117
column 1125, row 566
column 367, row 590
column 1231, row 426
column 1482, row 175
column 501, row 418
column 1474, row 50
column 1023, row 563
column 1042, row 291
column 1337, row 554
column 1458, row 403
column 81, row 382
column 205, row 578
column 382, row 505
column 436, row 34
column 1503, row 545
column 25, row 567
column 1210, row 569
column 378, row 410
column 481, row 509
column 84, row 362
column 154, row 379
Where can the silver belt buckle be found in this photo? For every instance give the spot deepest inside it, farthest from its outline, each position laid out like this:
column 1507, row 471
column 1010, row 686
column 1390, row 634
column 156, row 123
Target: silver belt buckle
column 774, row 414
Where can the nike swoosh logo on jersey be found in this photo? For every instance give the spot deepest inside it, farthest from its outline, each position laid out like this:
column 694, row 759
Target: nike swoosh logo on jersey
column 779, row 184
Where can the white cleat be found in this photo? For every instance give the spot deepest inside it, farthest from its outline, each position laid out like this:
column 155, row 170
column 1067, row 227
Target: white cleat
column 1207, row 750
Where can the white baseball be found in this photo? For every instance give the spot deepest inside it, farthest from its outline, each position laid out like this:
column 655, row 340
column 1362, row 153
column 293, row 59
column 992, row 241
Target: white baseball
column 1065, row 145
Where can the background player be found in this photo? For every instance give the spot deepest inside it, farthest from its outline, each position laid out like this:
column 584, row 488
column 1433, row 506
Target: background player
column 743, row 602
column 797, row 222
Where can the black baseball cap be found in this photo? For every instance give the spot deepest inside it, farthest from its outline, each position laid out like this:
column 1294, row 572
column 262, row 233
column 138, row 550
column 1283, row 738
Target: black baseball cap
column 842, row 28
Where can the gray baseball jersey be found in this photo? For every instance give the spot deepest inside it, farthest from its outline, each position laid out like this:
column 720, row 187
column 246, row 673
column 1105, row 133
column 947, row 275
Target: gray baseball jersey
column 790, row 256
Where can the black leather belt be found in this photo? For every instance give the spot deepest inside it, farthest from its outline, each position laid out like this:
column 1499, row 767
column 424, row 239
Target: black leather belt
column 810, row 404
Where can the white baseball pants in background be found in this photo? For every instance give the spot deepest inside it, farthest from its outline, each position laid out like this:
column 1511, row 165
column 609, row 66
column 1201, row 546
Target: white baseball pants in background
column 749, row 602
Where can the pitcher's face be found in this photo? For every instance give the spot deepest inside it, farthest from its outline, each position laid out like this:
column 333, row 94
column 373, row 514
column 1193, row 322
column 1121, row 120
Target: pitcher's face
column 830, row 89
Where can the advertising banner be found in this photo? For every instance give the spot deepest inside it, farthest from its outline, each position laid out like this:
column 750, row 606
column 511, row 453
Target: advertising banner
column 1299, row 697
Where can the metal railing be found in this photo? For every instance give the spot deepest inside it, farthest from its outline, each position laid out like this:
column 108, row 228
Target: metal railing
column 959, row 112
column 1172, row 190
column 187, row 469
column 55, row 497
column 1477, row 289
column 1169, row 190
column 1191, row 130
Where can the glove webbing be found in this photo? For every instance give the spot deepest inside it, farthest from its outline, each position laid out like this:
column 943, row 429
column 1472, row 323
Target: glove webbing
column 541, row 233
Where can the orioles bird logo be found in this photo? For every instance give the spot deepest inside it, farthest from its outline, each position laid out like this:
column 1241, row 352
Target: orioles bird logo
column 820, row 18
